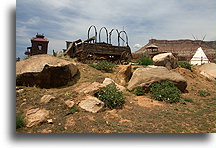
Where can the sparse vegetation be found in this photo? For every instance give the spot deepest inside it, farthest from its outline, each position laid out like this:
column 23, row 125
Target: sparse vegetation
column 144, row 61
column 104, row 66
column 185, row 64
column 111, row 96
column 185, row 99
column 165, row 91
column 72, row 110
column 136, row 111
column 203, row 93
column 139, row 91
column 20, row 122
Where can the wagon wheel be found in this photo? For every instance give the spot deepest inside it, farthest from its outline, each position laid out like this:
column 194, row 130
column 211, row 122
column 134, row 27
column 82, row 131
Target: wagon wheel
column 125, row 56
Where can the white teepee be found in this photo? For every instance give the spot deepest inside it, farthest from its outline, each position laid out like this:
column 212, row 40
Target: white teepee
column 199, row 57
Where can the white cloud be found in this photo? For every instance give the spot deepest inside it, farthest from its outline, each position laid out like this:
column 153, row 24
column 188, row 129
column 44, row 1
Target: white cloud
column 33, row 21
column 137, row 46
column 142, row 19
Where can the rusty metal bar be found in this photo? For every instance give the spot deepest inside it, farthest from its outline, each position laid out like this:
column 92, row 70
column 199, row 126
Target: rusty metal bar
column 95, row 32
column 106, row 34
column 110, row 35
column 126, row 36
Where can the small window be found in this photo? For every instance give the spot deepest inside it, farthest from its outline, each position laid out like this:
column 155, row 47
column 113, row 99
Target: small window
column 40, row 46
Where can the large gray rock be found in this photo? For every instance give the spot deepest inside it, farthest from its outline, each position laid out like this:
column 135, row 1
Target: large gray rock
column 146, row 76
column 165, row 59
column 91, row 104
column 36, row 116
column 124, row 75
column 45, row 71
column 208, row 70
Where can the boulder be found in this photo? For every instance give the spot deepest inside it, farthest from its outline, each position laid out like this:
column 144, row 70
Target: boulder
column 124, row 75
column 46, row 98
column 36, row 116
column 91, row 104
column 208, row 70
column 146, row 76
column 92, row 88
column 166, row 59
column 95, row 86
column 45, row 71
column 108, row 81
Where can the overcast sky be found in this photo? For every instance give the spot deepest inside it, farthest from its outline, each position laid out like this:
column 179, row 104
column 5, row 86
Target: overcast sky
column 68, row 20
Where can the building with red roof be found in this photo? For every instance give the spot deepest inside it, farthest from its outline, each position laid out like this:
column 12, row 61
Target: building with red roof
column 39, row 45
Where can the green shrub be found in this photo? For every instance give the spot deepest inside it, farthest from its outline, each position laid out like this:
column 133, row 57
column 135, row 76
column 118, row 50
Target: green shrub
column 19, row 121
column 72, row 110
column 203, row 93
column 188, row 100
column 111, row 96
column 185, row 64
column 104, row 66
column 144, row 61
column 165, row 91
column 139, row 91
column 185, row 99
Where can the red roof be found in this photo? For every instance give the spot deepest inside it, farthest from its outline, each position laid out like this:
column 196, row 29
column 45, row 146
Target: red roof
column 39, row 39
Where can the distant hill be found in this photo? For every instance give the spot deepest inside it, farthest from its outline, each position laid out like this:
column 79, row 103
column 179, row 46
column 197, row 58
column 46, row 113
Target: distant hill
column 184, row 48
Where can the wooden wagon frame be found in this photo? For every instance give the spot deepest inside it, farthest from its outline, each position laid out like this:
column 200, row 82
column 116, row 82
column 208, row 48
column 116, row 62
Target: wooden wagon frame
column 92, row 50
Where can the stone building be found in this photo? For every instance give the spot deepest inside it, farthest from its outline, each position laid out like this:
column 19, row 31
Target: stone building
column 39, row 45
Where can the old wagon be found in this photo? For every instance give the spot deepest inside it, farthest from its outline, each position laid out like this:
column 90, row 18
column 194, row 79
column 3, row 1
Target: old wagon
column 92, row 50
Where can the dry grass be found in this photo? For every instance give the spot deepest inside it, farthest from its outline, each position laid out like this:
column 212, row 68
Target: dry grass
column 138, row 115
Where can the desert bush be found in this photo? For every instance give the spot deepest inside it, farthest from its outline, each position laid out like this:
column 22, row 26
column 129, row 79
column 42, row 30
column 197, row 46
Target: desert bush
column 203, row 93
column 186, row 99
column 72, row 110
column 111, row 96
column 104, row 66
column 139, row 91
column 20, row 122
column 165, row 91
column 144, row 61
column 185, row 64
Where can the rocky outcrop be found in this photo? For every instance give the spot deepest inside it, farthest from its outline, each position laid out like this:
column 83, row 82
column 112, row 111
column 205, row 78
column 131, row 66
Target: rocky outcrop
column 36, row 116
column 45, row 71
column 124, row 75
column 165, row 59
column 146, row 76
column 91, row 104
column 208, row 70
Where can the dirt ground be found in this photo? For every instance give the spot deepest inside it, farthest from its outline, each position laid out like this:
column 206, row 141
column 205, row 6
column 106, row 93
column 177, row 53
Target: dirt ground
column 140, row 114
